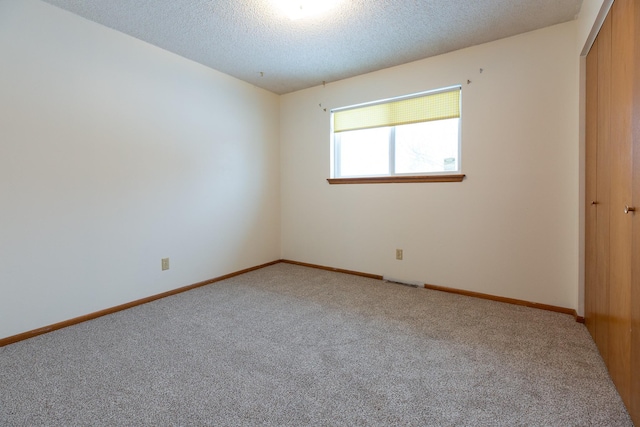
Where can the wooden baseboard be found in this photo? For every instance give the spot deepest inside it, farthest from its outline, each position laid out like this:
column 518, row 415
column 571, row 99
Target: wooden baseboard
column 547, row 307
column 514, row 301
column 30, row 334
column 337, row 270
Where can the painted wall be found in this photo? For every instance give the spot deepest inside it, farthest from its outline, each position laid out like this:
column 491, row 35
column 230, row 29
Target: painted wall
column 115, row 154
column 590, row 18
column 510, row 229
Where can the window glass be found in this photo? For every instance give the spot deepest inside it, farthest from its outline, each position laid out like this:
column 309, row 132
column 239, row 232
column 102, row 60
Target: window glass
column 411, row 135
column 427, row 147
column 364, row 152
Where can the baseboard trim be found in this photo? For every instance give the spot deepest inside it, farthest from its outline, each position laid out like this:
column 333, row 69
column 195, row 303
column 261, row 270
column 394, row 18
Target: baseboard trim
column 514, row 301
column 40, row 331
column 30, row 334
column 337, row 270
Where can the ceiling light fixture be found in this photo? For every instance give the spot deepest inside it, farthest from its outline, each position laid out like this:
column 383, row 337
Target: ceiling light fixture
column 297, row 9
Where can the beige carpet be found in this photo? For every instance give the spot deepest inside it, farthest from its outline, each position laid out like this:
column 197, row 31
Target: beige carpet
column 290, row 346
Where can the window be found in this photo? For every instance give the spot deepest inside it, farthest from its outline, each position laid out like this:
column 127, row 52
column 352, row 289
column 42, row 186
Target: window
column 405, row 137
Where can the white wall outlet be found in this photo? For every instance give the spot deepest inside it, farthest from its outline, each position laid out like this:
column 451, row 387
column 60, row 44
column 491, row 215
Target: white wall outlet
column 165, row 264
column 399, row 254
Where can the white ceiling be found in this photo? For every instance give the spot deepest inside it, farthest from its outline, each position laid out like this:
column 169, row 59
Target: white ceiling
column 253, row 41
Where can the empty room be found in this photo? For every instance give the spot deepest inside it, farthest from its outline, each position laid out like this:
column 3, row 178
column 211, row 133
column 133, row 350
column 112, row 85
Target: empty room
column 345, row 212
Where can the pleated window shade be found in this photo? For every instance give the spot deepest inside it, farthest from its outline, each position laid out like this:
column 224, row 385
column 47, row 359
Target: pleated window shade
column 416, row 109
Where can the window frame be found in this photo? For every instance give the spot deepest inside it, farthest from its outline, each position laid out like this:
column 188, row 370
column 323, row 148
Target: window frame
column 392, row 176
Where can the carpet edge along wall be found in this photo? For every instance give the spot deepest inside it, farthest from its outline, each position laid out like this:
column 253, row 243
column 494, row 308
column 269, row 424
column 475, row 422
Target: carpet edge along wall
column 33, row 333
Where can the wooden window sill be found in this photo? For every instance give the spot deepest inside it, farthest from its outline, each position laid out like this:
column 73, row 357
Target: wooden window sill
column 397, row 179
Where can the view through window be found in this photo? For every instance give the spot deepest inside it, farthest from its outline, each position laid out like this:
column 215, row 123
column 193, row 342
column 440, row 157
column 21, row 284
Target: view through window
column 413, row 135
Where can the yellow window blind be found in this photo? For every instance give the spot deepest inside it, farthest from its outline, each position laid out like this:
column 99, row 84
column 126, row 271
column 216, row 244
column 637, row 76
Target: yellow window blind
column 425, row 108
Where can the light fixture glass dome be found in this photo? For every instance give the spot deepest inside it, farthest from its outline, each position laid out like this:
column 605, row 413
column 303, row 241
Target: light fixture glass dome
column 297, row 9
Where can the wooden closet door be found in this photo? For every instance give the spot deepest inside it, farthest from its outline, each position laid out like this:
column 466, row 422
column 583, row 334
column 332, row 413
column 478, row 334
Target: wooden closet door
column 603, row 188
column 612, row 251
column 622, row 81
column 598, row 181
column 591, row 152
column 635, row 237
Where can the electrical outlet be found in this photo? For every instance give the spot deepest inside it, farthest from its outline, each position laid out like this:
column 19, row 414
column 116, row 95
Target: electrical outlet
column 165, row 264
column 399, row 254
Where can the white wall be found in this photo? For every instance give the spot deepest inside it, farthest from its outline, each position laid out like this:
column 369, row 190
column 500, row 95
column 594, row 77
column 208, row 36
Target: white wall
column 510, row 229
column 114, row 154
column 590, row 18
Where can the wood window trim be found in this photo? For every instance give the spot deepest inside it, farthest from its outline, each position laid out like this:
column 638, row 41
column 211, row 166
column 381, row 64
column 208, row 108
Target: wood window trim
column 398, row 179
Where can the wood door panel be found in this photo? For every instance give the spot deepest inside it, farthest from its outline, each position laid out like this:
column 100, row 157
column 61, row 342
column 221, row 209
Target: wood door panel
column 603, row 167
column 612, row 237
column 591, row 138
column 634, row 410
column 619, row 356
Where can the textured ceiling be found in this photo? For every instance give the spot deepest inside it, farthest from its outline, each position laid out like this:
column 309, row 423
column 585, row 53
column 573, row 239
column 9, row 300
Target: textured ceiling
column 255, row 42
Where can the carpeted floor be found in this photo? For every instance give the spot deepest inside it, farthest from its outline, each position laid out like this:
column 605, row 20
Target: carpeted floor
column 292, row 346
